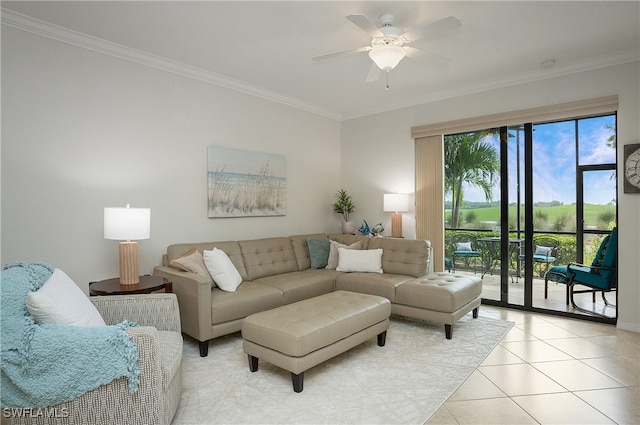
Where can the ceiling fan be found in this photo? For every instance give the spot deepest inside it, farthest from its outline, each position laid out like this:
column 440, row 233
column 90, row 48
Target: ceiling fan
column 389, row 44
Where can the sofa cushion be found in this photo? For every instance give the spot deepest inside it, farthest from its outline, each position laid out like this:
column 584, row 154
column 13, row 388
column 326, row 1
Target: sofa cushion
column 381, row 284
column 402, row 256
column 249, row 298
column 299, row 245
column 268, row 257
column 170, row 348
column 445, row 292
column 298, row 286
column 354, row 260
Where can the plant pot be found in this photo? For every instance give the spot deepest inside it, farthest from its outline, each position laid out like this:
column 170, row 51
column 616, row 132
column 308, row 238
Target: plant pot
column 348, row 227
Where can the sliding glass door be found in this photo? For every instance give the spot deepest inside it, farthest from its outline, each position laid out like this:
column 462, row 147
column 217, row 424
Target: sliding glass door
column 552, row 204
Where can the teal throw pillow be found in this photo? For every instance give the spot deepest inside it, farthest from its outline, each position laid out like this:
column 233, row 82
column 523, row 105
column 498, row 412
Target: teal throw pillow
column 318, row 252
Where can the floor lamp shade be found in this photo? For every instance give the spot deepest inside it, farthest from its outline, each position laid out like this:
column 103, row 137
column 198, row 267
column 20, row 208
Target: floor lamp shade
column 396, row 203
column 127, row 225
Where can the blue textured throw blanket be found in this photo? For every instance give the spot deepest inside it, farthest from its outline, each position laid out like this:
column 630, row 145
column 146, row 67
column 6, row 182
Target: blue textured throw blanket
column 43, row 365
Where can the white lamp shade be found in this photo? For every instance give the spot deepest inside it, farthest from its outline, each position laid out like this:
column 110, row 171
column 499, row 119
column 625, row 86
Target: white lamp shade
column 127, row 224
column 387, row 56
column 396, row 202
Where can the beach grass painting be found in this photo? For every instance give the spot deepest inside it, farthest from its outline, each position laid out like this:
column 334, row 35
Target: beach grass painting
column 244, row 183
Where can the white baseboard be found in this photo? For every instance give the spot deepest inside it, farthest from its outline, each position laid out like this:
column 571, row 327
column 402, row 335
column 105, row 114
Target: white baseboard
column 633, row 327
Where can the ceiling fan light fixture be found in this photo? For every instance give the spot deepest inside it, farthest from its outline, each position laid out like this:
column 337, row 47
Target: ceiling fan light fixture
column 387, row 56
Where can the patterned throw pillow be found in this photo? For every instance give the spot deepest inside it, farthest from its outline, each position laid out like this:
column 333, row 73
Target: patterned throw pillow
column 318, row 252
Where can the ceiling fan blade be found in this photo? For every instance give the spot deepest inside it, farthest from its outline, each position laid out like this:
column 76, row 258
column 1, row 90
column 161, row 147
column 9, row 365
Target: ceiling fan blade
column 341, row 53
column 374, row 74
column 425, row 57
column 365, row 25
column 434, row 29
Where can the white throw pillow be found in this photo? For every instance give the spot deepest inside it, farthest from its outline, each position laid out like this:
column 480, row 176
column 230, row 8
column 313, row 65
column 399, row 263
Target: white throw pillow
column 352, row 260
column 543, row 250
column 222, row 270
column 61, row 302
column 332, row 261
column 463, row 246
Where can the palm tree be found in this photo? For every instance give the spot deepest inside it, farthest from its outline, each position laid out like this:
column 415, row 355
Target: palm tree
column 468, row 158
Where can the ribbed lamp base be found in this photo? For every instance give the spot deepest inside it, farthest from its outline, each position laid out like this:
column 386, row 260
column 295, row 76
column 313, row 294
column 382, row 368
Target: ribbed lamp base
column 396, row 225
column 129, row 263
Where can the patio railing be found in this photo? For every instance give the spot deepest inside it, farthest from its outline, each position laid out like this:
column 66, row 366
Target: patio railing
column 566, row 252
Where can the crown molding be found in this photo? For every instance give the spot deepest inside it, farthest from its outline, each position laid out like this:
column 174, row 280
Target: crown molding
column 618, row 58
column 85, row 41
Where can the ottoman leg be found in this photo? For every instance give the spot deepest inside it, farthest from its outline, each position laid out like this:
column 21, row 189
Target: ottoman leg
column 382, row 338
column 475, row 313
column 298, row 381
column 448, row 330
column 253, row 363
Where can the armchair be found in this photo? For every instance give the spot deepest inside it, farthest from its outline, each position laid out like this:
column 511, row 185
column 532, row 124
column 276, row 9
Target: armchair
column 601, row 275
column 159, row 344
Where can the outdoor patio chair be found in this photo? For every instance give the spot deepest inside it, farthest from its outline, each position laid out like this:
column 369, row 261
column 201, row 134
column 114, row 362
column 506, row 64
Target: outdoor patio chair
column 545, row 254
column 600, row 276
column 463, row 249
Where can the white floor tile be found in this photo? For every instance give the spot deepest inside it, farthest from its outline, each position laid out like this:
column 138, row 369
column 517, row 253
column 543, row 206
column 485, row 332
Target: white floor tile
column 561, row 408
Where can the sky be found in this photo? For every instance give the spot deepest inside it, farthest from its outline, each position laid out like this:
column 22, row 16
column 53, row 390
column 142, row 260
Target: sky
column 554, row 157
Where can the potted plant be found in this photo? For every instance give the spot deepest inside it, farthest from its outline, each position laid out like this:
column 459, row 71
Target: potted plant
column 344, row 205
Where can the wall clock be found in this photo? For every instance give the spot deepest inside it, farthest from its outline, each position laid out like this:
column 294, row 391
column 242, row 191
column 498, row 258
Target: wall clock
column 632, row 168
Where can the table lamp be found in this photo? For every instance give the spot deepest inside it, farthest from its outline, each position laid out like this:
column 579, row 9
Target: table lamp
column 127, row 225
column 396, row 203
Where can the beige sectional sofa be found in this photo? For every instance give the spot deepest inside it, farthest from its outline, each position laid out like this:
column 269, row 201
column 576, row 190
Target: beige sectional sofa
column 277, row 271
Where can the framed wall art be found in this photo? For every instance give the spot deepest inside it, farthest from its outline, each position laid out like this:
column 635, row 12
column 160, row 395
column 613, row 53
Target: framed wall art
column 243, row 183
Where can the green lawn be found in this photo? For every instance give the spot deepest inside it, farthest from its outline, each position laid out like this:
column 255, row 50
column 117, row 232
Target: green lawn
column 551, row 214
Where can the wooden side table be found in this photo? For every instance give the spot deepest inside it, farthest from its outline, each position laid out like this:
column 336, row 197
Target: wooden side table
column 146, row 285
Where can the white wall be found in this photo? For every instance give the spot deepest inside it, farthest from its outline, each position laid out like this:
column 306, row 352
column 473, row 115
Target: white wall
column 386, row 139
column 83, row 131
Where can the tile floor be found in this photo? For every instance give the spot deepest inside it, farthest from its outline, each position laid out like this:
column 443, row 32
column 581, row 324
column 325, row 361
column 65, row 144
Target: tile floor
column 556, row 299
column 551, row 370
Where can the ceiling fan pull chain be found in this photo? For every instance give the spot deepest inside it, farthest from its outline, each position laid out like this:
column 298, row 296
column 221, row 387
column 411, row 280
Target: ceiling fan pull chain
column 387, row 80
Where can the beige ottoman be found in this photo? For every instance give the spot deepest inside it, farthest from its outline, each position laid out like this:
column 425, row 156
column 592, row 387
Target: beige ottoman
column 439, row 297
column 301, row 335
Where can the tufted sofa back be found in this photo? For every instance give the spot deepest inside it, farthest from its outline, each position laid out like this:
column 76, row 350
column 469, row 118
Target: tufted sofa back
column 403, row 256
column 268, row 257
column 258, row 258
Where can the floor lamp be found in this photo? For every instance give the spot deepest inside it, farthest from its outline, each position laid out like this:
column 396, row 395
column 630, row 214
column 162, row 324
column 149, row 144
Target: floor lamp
column 127, row 225
column 396, row 203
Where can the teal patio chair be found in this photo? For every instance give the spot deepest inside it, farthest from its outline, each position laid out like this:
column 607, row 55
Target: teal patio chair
column 462, row 244
column 545, row 254
column 600, row 276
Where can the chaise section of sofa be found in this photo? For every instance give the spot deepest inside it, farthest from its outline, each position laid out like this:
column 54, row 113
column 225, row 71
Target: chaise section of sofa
column 277, row 271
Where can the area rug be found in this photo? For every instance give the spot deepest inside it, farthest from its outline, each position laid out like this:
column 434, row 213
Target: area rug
column 404, row 382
